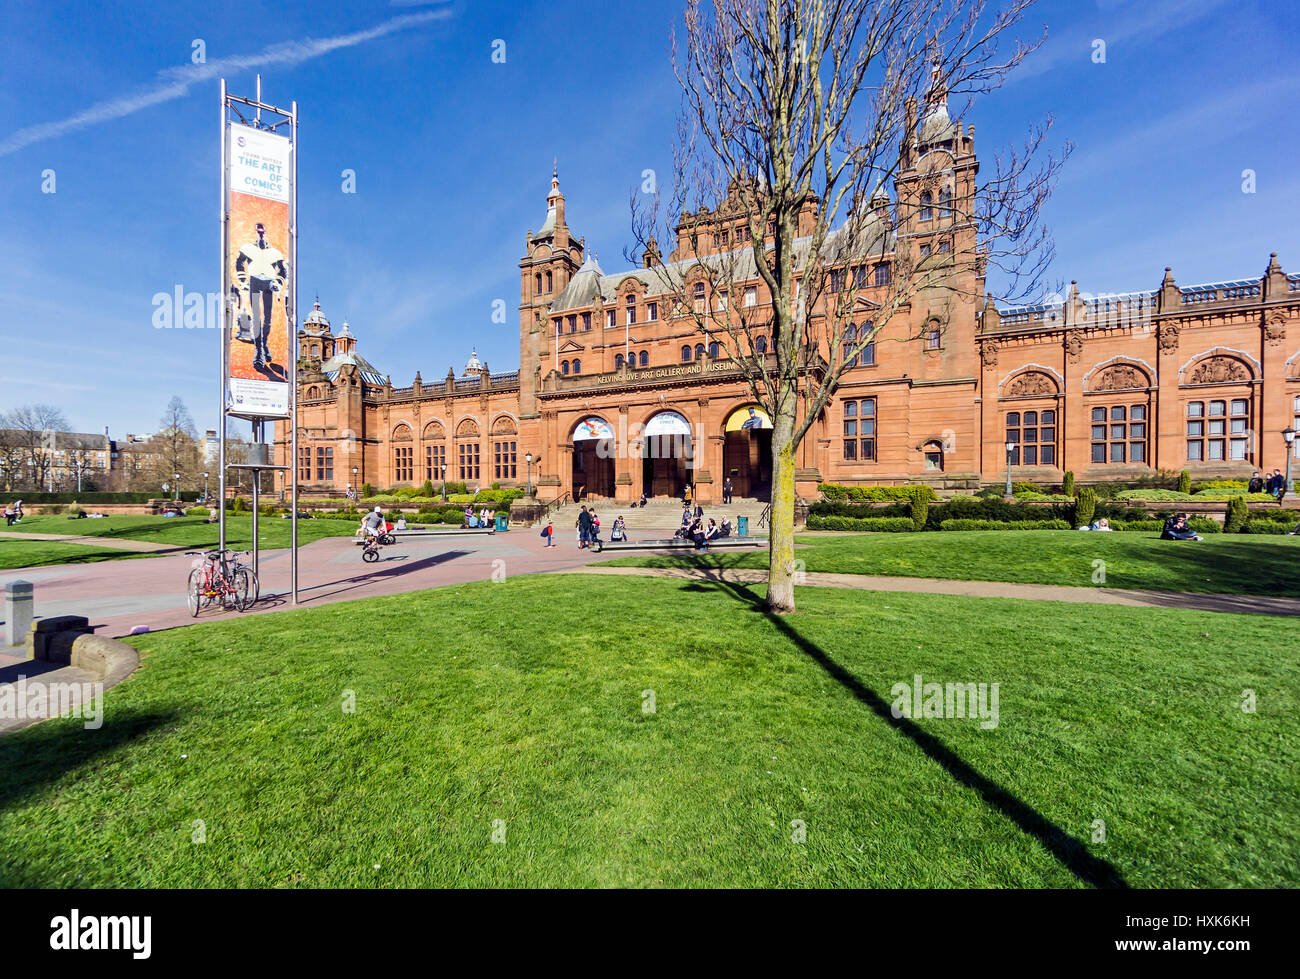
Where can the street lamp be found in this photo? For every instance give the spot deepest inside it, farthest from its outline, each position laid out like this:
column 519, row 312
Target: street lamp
column 1011, row 447
column 176, row 487
column 205, row 486
column 1288, row 436
column 528, row 458
column 444, row 482
column 356, row 490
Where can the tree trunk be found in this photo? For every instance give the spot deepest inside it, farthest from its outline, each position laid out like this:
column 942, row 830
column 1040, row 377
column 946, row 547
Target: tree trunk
column 781, row 570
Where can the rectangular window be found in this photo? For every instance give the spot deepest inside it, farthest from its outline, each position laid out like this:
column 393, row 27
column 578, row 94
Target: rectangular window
column 469, row 461
column 573, row 324
column 324, row 462
column 1119, row 433
column 859, row 429
column 586, row 321
column 1034, row 435
column 610, row 318
column 504, row 460
column 435, row 457
column 837, row 280
column 651, row 312
column 403, row 464
column 1218, row 430
column 304, row 464
column 631, row 315
column 751, row 295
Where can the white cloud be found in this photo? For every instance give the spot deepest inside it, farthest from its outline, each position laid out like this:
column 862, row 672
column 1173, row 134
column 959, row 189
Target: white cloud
column 175, row 83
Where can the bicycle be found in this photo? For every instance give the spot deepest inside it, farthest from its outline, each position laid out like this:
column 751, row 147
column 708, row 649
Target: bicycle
column 218, row 576
column 370, row 549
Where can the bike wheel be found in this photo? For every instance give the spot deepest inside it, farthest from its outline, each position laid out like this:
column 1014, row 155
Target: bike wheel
column 194, row 593
column 255, row 590
column 241, row 583
column 370, row 554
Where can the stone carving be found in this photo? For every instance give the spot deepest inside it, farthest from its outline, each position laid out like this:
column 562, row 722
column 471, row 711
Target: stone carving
column 989, row 353
column 1120, row 379
column 1167, row 339
column 1031, row 384
column 1275, row 332
column 1219, row 370
column 1074, row 345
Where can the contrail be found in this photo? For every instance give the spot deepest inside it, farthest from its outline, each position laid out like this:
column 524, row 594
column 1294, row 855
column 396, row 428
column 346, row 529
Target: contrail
column 174, row 83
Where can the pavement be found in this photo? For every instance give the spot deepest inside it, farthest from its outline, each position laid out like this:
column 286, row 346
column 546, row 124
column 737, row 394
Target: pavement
column 108, row 543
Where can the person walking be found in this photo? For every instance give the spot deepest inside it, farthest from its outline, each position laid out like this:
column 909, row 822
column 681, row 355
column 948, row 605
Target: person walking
column 584, row 527
column 726, row 490
column 549, row 533
column 686, row 495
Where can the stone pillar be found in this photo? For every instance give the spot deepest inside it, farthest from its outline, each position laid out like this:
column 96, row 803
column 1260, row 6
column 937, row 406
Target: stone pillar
column 18, row 611
column 1168, row 426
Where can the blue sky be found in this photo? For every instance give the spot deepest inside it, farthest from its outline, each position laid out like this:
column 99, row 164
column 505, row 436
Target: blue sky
column 453, row 152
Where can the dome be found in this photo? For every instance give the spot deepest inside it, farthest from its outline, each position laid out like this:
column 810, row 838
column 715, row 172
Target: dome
column 317, row 319
column 347, row 331
column 473, row 363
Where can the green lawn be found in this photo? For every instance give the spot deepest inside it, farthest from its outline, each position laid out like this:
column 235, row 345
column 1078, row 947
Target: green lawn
column 523, row 702
column 174, row 531
column 1225, row 564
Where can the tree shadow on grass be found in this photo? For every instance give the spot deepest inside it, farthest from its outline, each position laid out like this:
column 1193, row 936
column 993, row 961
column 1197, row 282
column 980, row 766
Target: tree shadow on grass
column 43, row 753
column 1070, row 852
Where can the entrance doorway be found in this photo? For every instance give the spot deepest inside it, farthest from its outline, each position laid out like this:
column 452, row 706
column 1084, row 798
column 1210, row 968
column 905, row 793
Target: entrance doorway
column 747, row 452
column 593, row 459
column 667, row 464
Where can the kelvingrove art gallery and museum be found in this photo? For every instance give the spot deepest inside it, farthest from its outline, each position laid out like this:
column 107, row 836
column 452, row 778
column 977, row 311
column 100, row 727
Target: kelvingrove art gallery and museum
column 617, row 394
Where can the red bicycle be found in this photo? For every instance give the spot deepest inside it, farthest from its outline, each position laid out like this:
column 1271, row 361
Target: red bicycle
column 219, row 577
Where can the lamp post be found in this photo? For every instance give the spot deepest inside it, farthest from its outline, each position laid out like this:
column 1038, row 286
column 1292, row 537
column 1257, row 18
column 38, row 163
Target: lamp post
column 176, row 487
column 205, row 486
column 1011, row 447
column 444, row 482
column 1288, row 436
column 528, row 458
column 356, row 490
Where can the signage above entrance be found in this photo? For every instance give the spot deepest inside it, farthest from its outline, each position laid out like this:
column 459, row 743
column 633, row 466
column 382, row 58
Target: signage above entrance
column 748, row 419
column 592, row 428
column 667, row 423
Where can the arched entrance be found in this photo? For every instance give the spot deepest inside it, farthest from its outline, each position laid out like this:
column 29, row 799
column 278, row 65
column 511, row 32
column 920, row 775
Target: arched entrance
column 593, row 459
column 747, row 452
column 667, row 455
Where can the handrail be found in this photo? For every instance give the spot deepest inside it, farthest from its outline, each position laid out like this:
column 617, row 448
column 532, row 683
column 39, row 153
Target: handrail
column 765, row 518
column 555, row 504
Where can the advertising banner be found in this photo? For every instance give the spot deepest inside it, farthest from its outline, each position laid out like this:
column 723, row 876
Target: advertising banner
column 257, row 272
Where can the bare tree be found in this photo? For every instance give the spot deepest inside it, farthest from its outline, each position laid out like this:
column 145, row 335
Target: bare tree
column 790, row 254
column 177, row 445
column 34, row 431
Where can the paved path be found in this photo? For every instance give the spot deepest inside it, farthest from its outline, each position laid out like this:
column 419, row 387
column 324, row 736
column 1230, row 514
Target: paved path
column 111, row 543
column 1253, row 604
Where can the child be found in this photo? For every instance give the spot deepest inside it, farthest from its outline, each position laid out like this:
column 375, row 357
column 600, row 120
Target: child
column 548, row 532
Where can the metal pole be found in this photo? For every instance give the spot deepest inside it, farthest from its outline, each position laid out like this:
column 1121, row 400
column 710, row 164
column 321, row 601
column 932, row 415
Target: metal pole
column 291, row 328
column 223, row 333
column 257, row 485
column 1008, row 473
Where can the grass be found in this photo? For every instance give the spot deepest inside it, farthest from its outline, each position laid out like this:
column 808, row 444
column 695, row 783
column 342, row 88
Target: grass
column 191, row 532
column 1220, row 564
column 523, row 702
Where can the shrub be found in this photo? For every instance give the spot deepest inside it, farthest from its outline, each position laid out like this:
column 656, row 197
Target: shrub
column 238, row 505
column 427, row 488
column 461, row 498
column 1237, row 515
column 873, row 494
column 1265, row 527
column 920, row 506
column 1220, row 484
column 1172, row 496
column 1224, row 495
column 958, row 524
column 197, row 511
column 1045, row 497
column 872, row 524
column 1067, row 487
column 1085, row 508
column 1018, row 488
column 1145, row 525
column 1184, row 482
column 367, row 490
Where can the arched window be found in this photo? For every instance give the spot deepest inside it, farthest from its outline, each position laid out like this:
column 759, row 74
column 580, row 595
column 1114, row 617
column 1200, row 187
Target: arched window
column 714, row 348
column 927, row 211
column 945, row 203
column 699, row 351
column 645, row 359
column 564, row 367
column 760, row 345
column 618, row 362
column 577, row 367
column 686, row 352
column 549, row 281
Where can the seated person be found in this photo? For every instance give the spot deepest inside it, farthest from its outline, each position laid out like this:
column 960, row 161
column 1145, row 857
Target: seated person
column 643, row 500
column 1102, row 524
column 726, row 527
column 620, row 530
column 1176, row 528
column 10, row 516
column 697, row 535
column 712, row 532
column 401, row 523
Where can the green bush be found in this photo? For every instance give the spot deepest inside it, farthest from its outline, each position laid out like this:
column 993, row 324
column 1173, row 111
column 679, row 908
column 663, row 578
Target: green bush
column 1266, row 527
column 1145, row 525
column 197, row 511
column 920, row 506
column 1044, row 497
column 1171, row 496
column 834, row 492
column 1204, row 525
column 92, row 496
column 958, row 524
column 1224, row 495
column 1237, row 515
column 427, row 489
column 367, row 491
column 1067, row 487
column 873, row 524
column 1185, row 482
column 1018, row 488
column 1220, row 484
column 1085, row 508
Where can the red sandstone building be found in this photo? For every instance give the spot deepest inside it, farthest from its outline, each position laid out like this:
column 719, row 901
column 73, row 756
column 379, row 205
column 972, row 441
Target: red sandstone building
column 616, row 396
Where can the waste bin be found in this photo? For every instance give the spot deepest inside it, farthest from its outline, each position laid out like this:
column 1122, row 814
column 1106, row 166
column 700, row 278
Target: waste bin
column 742, row 526
column 501, row 521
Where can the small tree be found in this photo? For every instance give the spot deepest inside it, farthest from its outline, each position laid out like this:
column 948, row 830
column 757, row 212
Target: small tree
column 1185, row 482
column 427, row 489
column 1234, row 521
column 1067, row 487
column 920, row 505
column 1085, row 507
column 367, row 491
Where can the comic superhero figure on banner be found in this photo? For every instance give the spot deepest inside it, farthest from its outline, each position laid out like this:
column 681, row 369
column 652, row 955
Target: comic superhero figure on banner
column 260, row 273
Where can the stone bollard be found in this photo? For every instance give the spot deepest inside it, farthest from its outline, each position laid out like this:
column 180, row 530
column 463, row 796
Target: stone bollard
column 18, row 612
column 50, row 640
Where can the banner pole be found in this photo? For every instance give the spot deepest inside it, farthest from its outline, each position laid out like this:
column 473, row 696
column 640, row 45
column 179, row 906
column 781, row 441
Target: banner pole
column 222, row 335
column 292, row 329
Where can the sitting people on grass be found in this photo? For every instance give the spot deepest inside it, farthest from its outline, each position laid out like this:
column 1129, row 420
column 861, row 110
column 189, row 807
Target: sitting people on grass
column 1176, row 528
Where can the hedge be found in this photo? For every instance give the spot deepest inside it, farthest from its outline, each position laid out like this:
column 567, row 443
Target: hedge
column 958, row 524
column 1266, row 527
column 873, row 494
column 187, row 496
column 872, row 524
